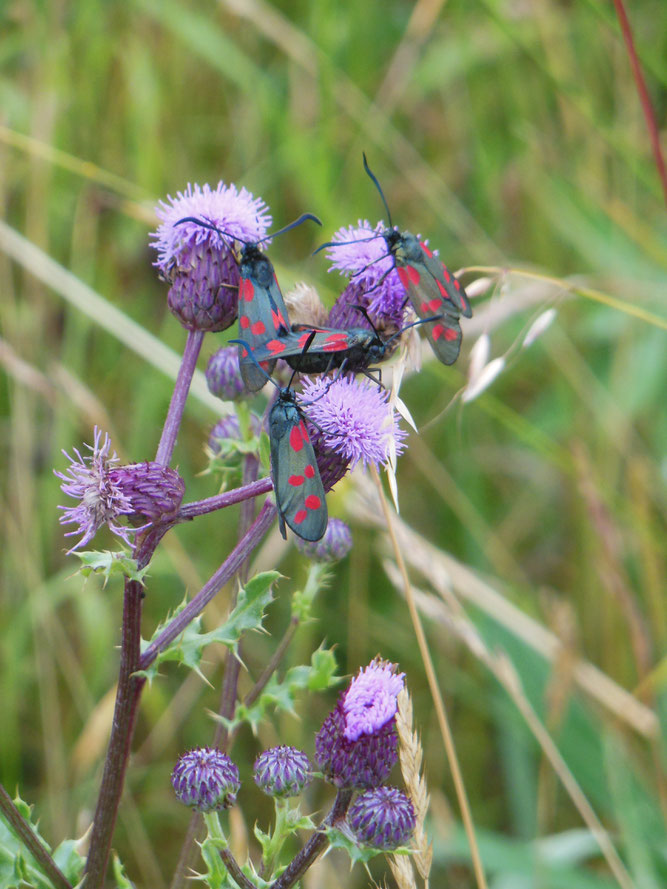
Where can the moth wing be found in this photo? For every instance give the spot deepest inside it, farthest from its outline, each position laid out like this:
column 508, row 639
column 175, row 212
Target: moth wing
column 262, row 318
column 444, row 333
column 298, row 487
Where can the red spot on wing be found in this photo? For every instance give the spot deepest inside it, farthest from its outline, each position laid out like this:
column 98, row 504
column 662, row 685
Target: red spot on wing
column 408, row 274
column 258, row 328
column 300, row 516
column 431, row 306
column 441, row 288
column 309, row 471
column 275, row 346
column 244, row 321
column 335, row 342
column 304, row 431
column 313, row 501
column 246, row 290
column 277, row 318
column 296, row 480
column 427, row 250
column 439, row 330
column 456, row 284
column 446, row 272
column 303, row 339
column 296, row 438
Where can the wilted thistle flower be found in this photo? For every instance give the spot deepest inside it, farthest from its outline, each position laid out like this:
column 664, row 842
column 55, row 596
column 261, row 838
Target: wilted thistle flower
column 305, row 306
column 200, row 263
column 374, row 282
column 206, row 779
column 141, row 493
column 335, row 545
column 282, row 771
column 352, row 422
column 383, row 818
column 223, row 375
column 357, row 744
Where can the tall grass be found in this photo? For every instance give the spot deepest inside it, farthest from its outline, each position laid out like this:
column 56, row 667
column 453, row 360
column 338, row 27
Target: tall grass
column 512, row 136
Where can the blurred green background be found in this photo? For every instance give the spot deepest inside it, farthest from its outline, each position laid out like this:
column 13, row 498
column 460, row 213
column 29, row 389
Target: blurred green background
column 510, row 133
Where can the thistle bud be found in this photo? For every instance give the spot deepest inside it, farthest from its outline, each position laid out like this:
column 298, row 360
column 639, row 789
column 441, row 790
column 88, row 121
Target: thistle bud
column 206, row 779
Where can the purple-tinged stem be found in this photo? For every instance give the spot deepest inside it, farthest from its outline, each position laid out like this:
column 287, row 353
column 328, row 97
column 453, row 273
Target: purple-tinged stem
column 175, row 413
column 644, row 98
column 124, row 719
column 228, row 498
column 315, row 845
column 28, row 837
column 235, row 871
column 224, row 573
column 232, row 665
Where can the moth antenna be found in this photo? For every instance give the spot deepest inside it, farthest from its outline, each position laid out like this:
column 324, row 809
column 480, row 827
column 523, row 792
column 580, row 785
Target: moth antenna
column 281, row 231
column 345, row 243
column 413, row 324
column 364, row 312
column 377, row 185
column 205, row 224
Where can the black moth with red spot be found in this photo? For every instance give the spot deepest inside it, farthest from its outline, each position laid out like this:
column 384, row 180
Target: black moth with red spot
column 431, row 287
column 296, row 479
column 262, row 313
column 328, row 348
column 433, row 290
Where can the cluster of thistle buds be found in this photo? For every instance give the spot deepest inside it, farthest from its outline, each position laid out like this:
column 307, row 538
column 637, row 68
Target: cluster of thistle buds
column 355, row 750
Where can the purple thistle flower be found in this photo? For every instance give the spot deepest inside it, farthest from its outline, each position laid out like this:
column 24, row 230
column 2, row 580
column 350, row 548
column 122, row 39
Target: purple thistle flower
column 370, row 701
column 223, row 375
column 142, row 493
column 374, row 283
column 355, row 748
column 236, row 212
column 356, row 424
column 383, row 818
column 200, row 263
column 206, row 779
column 335, row 545
column 282, row 771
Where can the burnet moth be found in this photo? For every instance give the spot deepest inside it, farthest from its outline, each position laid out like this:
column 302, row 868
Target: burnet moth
column 297, row 484
column 357, row 347
column 262, row 312
column 437, row 297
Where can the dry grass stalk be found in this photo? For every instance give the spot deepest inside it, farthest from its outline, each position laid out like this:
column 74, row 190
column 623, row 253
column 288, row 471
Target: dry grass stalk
column 411, row 755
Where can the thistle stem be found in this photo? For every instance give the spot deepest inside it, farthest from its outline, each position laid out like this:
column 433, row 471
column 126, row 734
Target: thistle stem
column 124, row 719
column 315, row 845
column 224, row 573
column 228, row 498
column 28, row 837
column 172, row 423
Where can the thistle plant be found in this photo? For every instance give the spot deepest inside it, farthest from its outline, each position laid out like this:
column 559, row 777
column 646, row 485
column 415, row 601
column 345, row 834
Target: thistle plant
column 349, row 422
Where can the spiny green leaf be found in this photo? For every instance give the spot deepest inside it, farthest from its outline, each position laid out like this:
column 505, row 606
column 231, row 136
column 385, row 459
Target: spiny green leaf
column 188, row 648
column 108, row 563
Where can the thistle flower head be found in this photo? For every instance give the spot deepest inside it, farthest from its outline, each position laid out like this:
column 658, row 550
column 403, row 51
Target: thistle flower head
column 110, row 494
column 335, row 545
column 223, row 375
column 304, row 305
column 232, row 210
column 356, row 424
column 206, row 779
column 374, row 283
column 383, row 818
column 282, row 771
column 199, row 262
column 357, row 744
